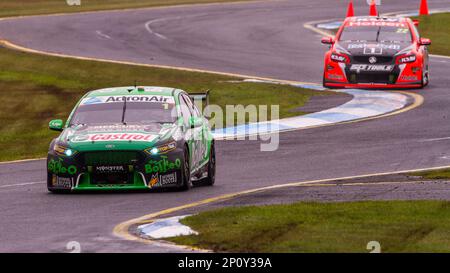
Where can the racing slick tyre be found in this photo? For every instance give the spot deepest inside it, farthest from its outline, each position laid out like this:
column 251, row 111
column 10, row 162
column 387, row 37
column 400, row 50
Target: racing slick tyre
column 211, row 178
column 425, row 78
column 186, row 173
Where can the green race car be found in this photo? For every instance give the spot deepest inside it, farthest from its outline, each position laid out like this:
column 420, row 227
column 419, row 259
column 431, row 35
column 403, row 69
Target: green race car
column 131, row 138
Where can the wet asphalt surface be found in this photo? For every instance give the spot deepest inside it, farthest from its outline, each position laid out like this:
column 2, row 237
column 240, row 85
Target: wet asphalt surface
column 262, row 39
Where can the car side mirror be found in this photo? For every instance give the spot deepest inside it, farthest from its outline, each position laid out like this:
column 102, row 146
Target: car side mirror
column 327, row 40
column 56, row 125
column 195, row 122
column 425, row 41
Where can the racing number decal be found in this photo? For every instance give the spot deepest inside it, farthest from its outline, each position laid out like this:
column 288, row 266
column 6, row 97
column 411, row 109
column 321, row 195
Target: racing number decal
column 373, row 50
column 402, row 30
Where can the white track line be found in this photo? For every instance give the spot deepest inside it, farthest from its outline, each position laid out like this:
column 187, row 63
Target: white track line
column 151, row 31
column 103, row 35
column 22, row 184
column 434, row 139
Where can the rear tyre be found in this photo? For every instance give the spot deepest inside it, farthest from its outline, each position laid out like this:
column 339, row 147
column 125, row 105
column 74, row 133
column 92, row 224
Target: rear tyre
column 211, row 178
column 186, row 172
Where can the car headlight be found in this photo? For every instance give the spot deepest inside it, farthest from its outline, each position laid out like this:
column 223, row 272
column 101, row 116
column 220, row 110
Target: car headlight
column 162, row 149
column 62, row 150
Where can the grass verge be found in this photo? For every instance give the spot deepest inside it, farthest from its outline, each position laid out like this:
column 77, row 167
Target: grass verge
column 10, row 8
column 399, row 226
column 435, row 174
column 35, row 89
column 436, row 27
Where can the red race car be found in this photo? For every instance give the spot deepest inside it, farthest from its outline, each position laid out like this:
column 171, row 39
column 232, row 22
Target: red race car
column 376, row 52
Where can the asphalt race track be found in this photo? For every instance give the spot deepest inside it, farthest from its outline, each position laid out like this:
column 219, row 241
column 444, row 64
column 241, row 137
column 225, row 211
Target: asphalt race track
column 264, row 39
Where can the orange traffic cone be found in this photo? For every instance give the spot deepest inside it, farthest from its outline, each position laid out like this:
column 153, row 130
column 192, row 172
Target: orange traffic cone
column 423, row 8
column 373, row 9
column 350, row 12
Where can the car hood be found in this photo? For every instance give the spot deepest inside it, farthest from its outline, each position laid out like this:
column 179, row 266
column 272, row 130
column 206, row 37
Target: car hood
column 115, row 136
column 357, row 48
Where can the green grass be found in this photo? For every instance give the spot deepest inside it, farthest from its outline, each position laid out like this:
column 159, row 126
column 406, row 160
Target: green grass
column 35, row 89
column 399, row 226
column 436, row 174
column 31, row 7
column 437, row 28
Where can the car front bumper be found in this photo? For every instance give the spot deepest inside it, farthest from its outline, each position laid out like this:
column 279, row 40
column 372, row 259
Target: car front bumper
column 114, row 170
column 340, row 75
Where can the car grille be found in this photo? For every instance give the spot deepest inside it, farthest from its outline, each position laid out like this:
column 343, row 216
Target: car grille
column 111, row 158
column 112, row 179
column 373, row 78
column 365, row 59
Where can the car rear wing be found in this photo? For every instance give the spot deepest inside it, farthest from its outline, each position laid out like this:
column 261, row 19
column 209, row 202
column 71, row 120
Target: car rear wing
column 200, row 99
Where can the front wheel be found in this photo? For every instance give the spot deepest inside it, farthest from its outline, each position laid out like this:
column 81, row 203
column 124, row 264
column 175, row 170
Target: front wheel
column 425, row 77
column 186, row 172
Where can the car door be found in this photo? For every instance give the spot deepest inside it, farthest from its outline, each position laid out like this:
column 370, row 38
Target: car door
column 188, row 133
column 202, row 134
column 194, row 135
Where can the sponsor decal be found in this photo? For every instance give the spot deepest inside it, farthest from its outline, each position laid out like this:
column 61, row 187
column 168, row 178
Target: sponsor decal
column 168, row 179
column 378, row 47
column 335, row 77
column 162, row 166
column 129, row 98
column 376, row 24
column 372, row 68
column 154, row 180
column 57, row 167
column 409, row 78
column 61, row 182
column 163, row 149
column 114, row 137
column 109, row 169
column 117, row 127
column 374, row 19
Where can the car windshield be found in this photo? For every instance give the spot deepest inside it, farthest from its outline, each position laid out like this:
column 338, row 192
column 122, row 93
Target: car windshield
column 98, row 112
column 376, row 33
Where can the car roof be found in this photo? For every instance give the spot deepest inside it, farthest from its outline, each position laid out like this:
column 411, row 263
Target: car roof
column 135, row 91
